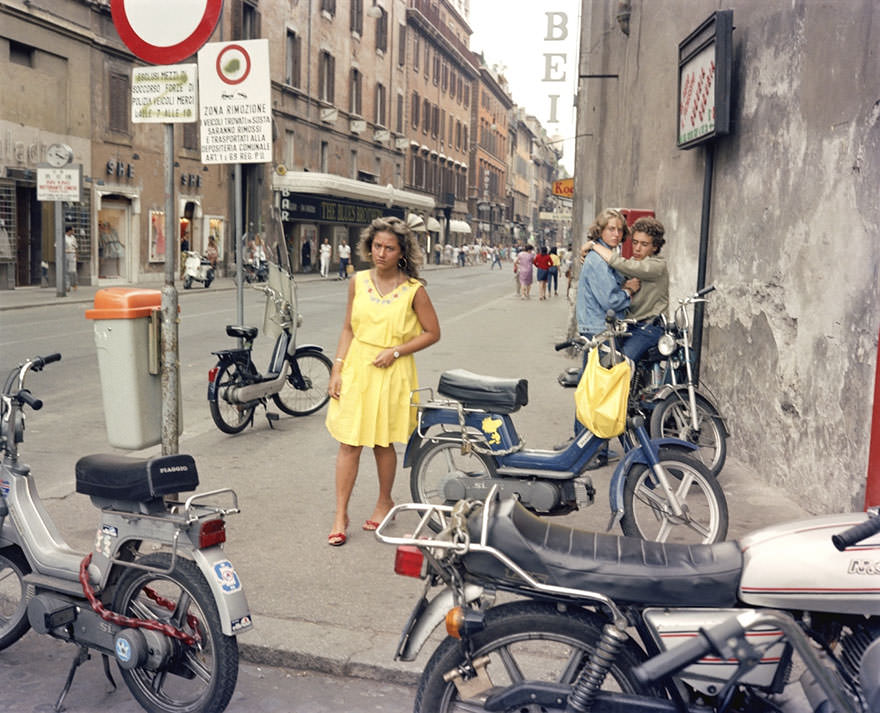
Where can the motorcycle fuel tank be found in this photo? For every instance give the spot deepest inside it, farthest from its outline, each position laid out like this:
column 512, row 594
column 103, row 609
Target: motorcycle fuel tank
column 795, row 566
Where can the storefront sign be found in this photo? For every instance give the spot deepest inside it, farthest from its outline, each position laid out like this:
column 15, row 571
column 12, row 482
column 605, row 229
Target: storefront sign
column 564, row 188
column 297, row 207
column 59, row 184
column 235, row 103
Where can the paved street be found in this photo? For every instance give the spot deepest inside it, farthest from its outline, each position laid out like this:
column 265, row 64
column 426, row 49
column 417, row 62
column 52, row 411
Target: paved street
column 332, row 610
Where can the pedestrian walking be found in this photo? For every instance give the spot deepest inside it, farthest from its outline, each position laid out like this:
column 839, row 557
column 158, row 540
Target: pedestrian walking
column 522, row 266
column 389, row 318
column 496, row 258
column 70, row 247
column 344, row 258
column 553, row 273
column 542, row 263
column 324, row 257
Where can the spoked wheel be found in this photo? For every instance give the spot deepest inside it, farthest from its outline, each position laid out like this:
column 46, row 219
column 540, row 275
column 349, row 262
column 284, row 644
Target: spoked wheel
column 177, row 677
column 305, row 390
column 229, row 417
column 526, row 641
column 672, row 419
column 14, row 596
column 443, row 461
column 649, row 514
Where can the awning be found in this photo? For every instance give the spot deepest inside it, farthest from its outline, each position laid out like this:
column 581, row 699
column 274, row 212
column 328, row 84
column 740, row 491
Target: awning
column 330, row 185
column 433, row 225
column 459, row 226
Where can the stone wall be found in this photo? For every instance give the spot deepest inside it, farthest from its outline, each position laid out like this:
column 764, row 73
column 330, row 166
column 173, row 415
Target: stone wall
column 790, row 345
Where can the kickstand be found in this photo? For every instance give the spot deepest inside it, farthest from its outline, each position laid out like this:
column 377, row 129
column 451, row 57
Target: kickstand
column 81, row 657
column 271, row 417
column 106, row 661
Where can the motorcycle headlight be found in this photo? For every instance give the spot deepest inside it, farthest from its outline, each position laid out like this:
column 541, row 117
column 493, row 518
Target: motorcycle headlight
column 666, row 344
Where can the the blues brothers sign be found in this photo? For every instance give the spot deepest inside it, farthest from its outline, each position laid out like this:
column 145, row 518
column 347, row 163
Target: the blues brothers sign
column 304, row 207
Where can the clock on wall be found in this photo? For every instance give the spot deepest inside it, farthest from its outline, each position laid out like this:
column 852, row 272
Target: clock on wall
column 59, row 155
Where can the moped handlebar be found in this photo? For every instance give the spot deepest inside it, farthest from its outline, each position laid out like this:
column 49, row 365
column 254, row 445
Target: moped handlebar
column 857, row 533
column 705, row 291
column 26, row 397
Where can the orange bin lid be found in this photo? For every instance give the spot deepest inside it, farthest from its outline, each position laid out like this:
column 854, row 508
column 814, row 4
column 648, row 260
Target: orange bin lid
column 124, row 303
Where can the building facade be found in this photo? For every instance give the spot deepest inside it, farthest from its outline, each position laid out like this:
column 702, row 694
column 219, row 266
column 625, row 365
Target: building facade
column 377, row 108
column 791, row 214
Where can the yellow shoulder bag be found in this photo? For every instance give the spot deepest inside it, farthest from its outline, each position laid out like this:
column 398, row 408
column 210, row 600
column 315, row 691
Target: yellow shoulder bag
column 601, row 396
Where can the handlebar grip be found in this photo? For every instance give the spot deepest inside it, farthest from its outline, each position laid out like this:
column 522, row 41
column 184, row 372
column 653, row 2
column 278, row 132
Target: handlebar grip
column 50, row 359
column 564, row 345
column 706, row 290
column 26, row 397
column 856, row 533
column 673, row 660
column 610, row 316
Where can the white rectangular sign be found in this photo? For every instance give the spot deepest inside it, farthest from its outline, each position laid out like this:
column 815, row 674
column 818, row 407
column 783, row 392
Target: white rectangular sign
column 164, row 94
column 59, row 184
column 235, row 102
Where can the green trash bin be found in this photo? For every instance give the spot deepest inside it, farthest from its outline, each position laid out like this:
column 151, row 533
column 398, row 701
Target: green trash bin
column 127, row 339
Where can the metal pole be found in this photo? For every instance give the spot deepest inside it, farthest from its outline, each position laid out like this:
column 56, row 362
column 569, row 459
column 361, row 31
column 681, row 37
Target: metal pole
column 704, row 249
column 170, row 361
column 239, row 246
column 60, row 260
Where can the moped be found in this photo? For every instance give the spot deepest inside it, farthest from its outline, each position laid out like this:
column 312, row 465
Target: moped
column 297, row 377
column 546, row 617
column 196, row 269
column 665, row 392
column 157, row 593
column 467, row 442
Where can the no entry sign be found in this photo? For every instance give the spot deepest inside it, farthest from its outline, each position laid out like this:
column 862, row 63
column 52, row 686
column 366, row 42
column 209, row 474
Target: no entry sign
column 165, row 31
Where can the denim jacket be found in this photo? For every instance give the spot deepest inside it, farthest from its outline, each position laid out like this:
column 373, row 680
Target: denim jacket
column 599, row 289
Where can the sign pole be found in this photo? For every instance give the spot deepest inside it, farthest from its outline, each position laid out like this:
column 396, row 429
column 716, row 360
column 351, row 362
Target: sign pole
column 60, row 257
column 170, row 362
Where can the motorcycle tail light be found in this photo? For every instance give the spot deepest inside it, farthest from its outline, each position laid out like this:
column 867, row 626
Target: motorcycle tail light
column 212, row 532
column 666, row 344
column 409, row 561
column 212, row 374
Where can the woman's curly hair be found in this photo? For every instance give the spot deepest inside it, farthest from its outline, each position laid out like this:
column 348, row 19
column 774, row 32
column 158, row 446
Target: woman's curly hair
column 412, row 257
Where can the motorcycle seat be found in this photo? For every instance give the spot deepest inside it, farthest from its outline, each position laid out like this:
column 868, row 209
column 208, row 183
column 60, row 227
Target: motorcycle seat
column 626, row 569
column 240, row 332
column 120, row 478
column 490, row 393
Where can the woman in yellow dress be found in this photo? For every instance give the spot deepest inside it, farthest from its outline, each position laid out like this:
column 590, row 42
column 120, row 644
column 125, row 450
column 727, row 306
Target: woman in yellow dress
column 389, row 318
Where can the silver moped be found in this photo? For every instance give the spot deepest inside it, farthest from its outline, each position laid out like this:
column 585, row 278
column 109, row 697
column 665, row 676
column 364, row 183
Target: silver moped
column 157, row 593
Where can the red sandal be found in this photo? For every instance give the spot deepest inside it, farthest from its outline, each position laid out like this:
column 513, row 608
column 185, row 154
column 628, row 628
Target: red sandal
column 336, row 539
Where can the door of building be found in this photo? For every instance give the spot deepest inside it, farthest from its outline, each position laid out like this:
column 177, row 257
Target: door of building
column 114, row 239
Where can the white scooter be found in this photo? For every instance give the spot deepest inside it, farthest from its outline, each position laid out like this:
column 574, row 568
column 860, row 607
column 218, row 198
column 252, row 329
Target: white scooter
column 157, row 593
column 196, row 269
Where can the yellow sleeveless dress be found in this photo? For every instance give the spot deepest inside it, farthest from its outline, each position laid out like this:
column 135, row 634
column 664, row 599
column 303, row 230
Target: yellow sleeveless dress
column 373, row 408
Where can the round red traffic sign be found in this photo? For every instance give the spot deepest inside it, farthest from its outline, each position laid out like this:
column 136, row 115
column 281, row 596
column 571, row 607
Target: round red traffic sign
column 165, row 31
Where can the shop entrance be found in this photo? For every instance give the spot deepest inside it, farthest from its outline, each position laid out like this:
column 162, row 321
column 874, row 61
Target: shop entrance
column 114, row 238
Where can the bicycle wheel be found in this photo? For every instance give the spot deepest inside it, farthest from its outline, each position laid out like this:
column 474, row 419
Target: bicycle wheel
column 14, row 596
column 526, row 642
column 649, row 515
column 672, row 419
column 305, row 390
column 176, row 677
column 229, row 417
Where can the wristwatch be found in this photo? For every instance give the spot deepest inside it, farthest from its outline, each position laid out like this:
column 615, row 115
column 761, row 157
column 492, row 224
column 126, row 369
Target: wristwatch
column 396, row 354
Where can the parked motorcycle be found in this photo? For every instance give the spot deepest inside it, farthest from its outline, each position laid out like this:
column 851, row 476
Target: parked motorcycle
column 157, row 593
column 602, row 623
column 196, row 269
column 297, row 377
column 466, row 443
column 664, row 391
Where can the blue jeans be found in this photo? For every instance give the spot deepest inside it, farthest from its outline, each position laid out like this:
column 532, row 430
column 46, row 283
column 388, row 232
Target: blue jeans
column 642, row 337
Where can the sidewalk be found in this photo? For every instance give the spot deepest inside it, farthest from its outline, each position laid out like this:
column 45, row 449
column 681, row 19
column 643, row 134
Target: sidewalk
column 341, row 610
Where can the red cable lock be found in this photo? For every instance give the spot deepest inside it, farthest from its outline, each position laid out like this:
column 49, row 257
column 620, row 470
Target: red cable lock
column 130, row 622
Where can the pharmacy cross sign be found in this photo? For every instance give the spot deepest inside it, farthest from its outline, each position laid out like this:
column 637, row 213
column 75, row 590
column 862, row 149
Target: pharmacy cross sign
column 144, row 27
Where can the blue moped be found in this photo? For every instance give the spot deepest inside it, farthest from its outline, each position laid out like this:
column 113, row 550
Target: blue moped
column 466, row 442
